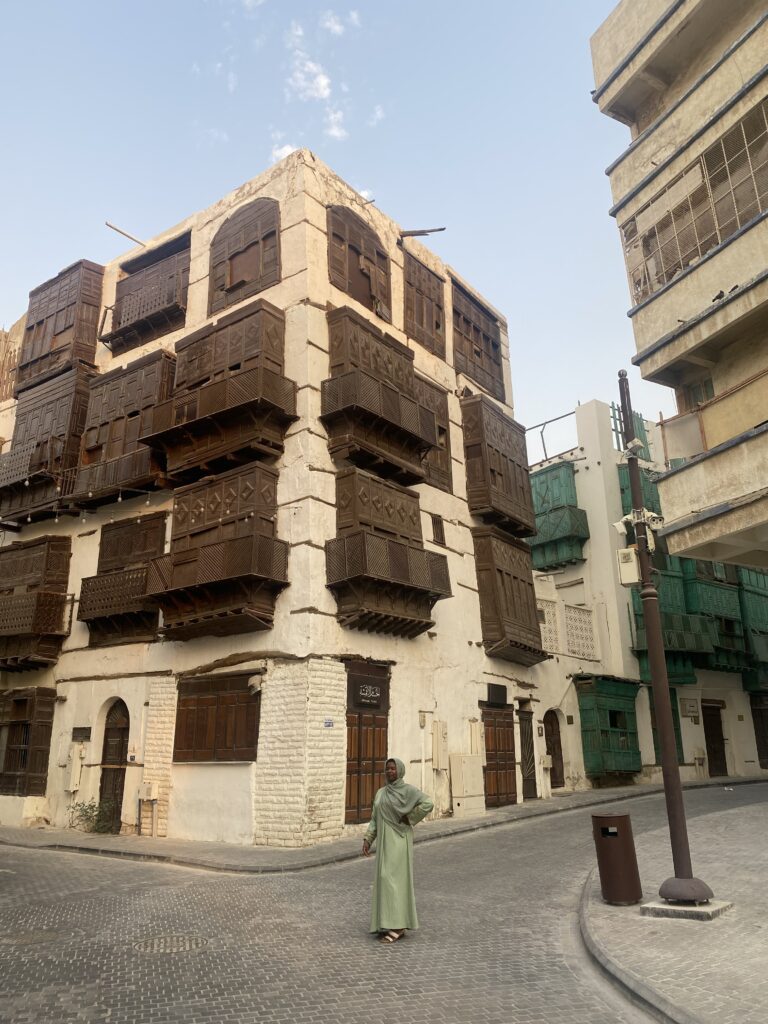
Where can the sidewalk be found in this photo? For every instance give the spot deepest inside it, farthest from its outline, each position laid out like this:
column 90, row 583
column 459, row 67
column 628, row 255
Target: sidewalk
column 693, row 972
column 263, row 859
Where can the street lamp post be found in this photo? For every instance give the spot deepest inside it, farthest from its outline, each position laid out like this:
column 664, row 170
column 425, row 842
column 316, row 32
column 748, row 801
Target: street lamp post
column 683, row 887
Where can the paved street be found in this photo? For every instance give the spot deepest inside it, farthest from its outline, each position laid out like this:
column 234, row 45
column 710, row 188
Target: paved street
column 90, row 938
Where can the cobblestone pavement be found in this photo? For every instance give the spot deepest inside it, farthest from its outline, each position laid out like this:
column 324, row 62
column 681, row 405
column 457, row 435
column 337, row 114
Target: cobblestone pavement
column 706, row 970
column 97, row 939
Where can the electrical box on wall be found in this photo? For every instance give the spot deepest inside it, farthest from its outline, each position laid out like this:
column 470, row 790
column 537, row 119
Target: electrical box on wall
column 629, row 567
column 148, row 791
column 467, row 784
column 439, row 745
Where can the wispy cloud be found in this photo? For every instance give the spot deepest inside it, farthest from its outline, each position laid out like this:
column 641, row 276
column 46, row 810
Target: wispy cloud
column 231, row 81
column 308, row 79
column 376, row 116
column 251, row 5
column 281, row 152
column 210, row 136
column 354, row 19
column 196, row 70
column 332, row 23
column 334, row 124
column 366, row 193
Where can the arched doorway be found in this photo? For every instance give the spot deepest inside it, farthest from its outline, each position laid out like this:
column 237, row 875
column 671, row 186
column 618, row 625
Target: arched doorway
column 114, row 757
column 554, row 749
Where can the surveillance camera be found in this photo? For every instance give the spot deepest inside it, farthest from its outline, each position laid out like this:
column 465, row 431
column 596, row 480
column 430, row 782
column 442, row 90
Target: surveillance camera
column 635, row 446
column 655, row 521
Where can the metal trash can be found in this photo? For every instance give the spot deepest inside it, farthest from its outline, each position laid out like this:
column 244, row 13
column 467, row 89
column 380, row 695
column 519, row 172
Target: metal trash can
column 616, row 859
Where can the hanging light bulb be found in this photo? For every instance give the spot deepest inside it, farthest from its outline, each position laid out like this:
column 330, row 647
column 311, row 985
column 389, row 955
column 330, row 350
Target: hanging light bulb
column 90, row 494
column 147, row 501
column 26, row 482
column 56, row 518
column 82, row 520
column 119, row 495
column 29, row 519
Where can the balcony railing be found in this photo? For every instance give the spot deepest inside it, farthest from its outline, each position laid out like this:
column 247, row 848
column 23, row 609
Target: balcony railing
column 40, row 612
column 112, row 594
column 726, row 416
column 258, row 557
column 363, row 555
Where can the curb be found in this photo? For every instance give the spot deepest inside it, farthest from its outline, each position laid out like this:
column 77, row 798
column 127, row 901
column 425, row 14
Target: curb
column 627, row 982
column 521, row 814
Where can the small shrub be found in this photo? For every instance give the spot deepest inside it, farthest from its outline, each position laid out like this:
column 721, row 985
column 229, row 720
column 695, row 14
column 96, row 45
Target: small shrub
column 91, row 816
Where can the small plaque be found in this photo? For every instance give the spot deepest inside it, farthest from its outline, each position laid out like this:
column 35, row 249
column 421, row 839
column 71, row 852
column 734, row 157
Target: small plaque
column 689, row 707
column 328, row 723
column 81, row 734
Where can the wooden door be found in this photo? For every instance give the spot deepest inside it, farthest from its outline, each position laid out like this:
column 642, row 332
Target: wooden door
column 554, row 749
column 527, row 755
column 713, row 737
column 114, row 759
column 500, row 769
column 367, row 737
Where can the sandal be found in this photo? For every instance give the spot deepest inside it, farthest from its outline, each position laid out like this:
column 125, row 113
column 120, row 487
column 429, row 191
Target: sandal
column 392, row 935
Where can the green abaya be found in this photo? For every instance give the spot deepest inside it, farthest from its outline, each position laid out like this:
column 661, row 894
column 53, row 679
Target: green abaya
column 393, row 905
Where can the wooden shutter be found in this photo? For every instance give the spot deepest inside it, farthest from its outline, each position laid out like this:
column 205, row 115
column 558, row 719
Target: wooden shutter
column 217, row 720
column 357, row 261
column 245, row 254
column 424, row 306
column 131, row 542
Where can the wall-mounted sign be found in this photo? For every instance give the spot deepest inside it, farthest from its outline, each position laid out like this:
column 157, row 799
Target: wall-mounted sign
column 328, row 723
column 689, row 707
column 369, row 695
column 81, row 734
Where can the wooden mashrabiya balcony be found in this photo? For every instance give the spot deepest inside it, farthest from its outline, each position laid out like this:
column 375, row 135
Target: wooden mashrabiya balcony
column 220, row 588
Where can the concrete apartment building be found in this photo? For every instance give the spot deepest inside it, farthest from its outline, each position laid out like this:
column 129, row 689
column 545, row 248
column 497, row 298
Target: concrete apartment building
column 595, row 689
column 690, row 193
column 264, row 504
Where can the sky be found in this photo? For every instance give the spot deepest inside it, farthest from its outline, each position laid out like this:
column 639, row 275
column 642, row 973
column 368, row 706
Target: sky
column 475, row 117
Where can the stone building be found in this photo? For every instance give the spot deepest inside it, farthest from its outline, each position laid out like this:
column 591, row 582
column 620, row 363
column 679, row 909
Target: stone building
column 594, row 699
column 690, row 197
column 264, row 506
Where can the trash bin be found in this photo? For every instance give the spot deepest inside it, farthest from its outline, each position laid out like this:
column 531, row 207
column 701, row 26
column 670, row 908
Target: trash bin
column 616, row 859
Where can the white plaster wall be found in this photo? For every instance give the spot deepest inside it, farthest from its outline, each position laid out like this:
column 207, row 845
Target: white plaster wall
column 212, row 800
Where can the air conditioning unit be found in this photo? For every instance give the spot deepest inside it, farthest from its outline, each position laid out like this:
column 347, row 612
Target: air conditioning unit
column 629, row 567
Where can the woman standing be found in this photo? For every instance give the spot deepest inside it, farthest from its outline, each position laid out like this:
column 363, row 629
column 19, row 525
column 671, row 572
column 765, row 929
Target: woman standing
column 397, row 807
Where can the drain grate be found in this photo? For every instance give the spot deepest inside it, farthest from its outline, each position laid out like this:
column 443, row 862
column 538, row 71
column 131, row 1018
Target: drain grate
column 171, row 944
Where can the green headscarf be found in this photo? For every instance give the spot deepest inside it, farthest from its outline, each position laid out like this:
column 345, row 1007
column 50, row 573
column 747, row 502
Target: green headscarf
column 398, row 799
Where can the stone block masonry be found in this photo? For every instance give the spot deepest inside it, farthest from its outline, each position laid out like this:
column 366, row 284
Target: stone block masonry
column 300, row 769
column 158, row 750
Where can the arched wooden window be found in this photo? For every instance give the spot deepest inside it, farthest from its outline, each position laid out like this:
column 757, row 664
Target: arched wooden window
column 245, row 254
column 357, row 262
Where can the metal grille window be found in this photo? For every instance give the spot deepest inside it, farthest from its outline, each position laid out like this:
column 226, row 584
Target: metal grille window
column 424, row 306
column 704, row 206
column 26, row 719
column 217, row 720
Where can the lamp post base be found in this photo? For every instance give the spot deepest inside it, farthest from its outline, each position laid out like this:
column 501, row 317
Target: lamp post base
column 685, row 890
